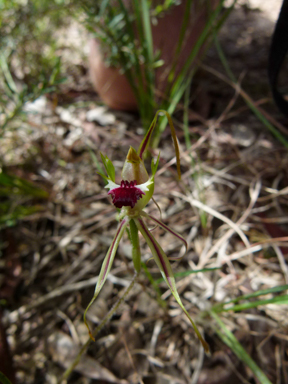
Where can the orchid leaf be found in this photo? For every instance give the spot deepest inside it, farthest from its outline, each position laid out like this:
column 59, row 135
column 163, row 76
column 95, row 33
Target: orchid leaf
column 97, row 164
column 166, row 228
column 109, row 167
column 107, row 264
column 145, row 142
column 163, row 264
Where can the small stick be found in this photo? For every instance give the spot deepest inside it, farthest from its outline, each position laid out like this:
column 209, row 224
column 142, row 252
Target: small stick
column 104, row 321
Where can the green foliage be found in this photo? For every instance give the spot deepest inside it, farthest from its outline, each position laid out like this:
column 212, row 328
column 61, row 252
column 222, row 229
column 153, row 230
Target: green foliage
column 154, row 165
column 29, row 65
column 14, row 192
column 257, row 112
column 29, row 68
column 28, row 37
column 4, row 379
column 16, row 186
column 188, row 273
column 235, row 305
column 116, row 24
column 229, row 339
column 109, row 167
column 13, row 98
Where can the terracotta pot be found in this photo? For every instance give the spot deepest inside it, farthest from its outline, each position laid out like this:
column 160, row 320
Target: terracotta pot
column 114, row 88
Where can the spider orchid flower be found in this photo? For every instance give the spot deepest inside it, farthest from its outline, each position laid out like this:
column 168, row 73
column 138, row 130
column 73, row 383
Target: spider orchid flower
column 131, row 196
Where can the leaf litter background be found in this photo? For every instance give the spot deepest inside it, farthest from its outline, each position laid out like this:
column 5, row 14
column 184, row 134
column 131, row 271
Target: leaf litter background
column 52, row 259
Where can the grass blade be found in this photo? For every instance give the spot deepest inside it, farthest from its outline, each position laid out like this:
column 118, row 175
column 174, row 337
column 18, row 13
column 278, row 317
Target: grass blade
column 247, row 98
column 229, row 339
column 281, row 299
column 190, row 272
column 183, row 80
column 4, row 379
column 220, row 307
column 261, row 292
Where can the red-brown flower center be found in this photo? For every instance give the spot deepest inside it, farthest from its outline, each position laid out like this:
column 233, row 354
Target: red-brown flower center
column 126, row 195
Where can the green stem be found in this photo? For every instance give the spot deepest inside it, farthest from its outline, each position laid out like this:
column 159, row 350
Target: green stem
column 154, row 284
column 136, row 253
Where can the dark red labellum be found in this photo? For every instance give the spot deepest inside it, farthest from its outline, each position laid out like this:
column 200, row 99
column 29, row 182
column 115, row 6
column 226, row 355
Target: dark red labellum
column 126, row 195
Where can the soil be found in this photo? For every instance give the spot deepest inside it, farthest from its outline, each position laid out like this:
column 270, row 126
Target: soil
column 51, row 259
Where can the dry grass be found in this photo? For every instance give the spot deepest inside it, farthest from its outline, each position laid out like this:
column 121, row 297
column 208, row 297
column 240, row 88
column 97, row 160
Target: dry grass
column 241, row 190
column 238, row 184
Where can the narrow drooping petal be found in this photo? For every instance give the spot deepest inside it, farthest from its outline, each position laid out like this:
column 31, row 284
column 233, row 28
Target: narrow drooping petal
column 107, row 264
column 163, row 264
column 164, row 226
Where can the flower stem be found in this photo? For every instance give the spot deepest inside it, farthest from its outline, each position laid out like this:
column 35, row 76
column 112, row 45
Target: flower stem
column 136, row 254
column 103, row 322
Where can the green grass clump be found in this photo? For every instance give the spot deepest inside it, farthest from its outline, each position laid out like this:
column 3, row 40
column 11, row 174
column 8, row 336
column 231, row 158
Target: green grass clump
column 29, row 68
column 15, row 193
column 114, row 25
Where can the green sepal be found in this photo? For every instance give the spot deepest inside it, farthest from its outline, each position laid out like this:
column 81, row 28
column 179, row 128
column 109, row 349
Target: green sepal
column 108, row 166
